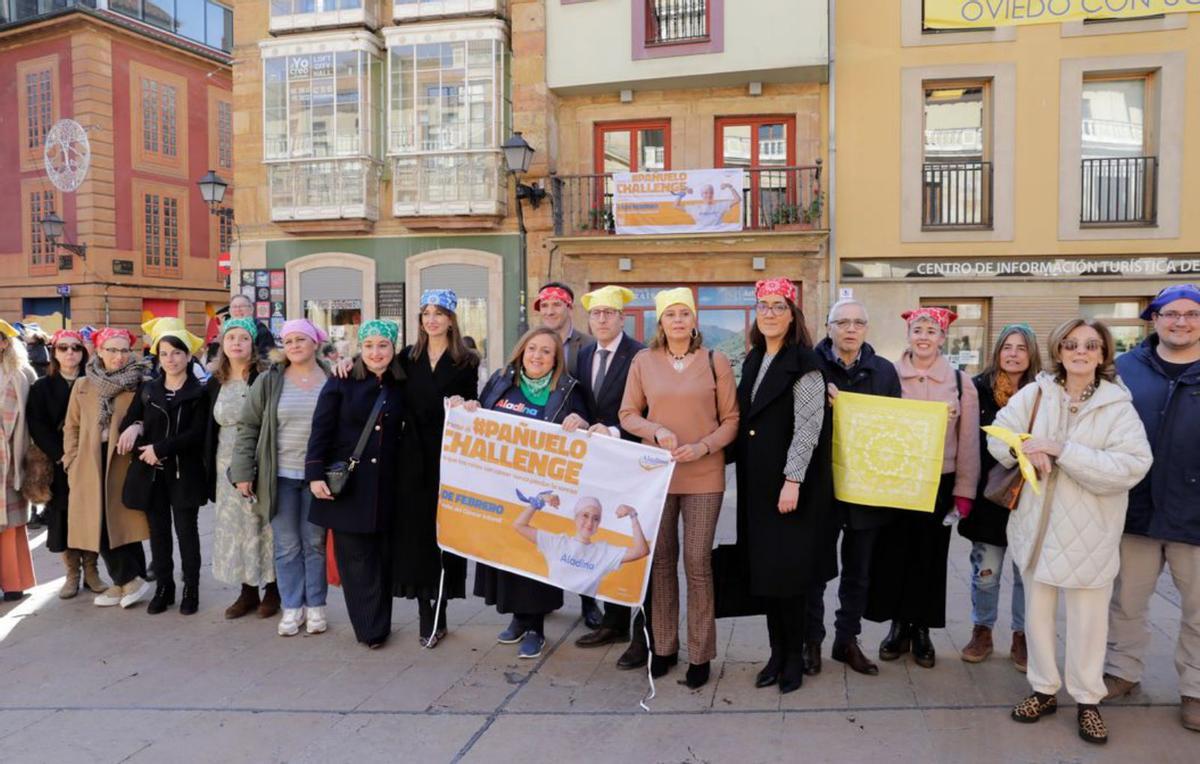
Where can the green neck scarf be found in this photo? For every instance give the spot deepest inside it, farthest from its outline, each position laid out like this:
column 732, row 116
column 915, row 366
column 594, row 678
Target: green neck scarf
column 536, row 390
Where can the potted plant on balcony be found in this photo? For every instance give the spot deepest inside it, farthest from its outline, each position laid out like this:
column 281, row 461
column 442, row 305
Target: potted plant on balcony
column 788, row 217
column 599, row 222
column 811, row 216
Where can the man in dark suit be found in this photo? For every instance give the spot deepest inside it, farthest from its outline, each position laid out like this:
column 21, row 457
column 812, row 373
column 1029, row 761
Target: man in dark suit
column 602, row 370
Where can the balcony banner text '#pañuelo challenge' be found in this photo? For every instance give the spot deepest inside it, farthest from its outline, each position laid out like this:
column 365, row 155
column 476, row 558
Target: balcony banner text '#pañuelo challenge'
column 574, row 510
column 678, row 201
column 980, row 14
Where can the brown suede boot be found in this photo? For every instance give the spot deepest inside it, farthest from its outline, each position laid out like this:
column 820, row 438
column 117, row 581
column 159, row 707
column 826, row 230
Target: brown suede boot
column 270, row 601
column 980, row 646
column 91, row 574
column 246, row 602
column 70, row 586
column 1019, row 653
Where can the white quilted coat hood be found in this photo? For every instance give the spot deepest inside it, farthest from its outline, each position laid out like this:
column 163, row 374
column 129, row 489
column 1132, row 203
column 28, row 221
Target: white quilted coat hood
column 1105, row 453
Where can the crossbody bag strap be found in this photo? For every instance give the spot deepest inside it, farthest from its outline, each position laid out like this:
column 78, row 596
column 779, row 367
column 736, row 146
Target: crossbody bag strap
column 1037, row 403
column 366, row 433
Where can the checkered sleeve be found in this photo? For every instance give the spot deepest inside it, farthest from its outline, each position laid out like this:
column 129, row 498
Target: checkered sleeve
column 808, row 396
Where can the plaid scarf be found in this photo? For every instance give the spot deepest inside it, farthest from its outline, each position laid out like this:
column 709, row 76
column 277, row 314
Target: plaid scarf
column 109, row 384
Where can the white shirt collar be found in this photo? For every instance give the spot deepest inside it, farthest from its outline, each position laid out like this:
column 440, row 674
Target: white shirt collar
column 612, row 346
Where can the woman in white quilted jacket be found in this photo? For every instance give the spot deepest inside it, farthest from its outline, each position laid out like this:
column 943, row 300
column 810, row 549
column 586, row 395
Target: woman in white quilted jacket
column 1089, row 448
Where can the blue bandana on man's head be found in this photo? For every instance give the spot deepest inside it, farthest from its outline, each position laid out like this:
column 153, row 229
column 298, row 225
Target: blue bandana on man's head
column 1171, row 294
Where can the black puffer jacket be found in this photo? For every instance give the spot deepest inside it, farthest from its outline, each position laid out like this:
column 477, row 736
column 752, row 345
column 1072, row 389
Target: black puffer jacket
column 175, row 426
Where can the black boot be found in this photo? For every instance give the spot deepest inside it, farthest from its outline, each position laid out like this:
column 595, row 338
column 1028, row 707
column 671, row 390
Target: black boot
column 164, row 597
column 697, row 675
column 922, row 647
column 792, row 676
column 189, row 603
column 769, row 674
column 661, row 664
column 896, row 643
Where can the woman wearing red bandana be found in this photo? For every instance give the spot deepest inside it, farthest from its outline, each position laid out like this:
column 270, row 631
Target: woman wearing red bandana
column 910, row 590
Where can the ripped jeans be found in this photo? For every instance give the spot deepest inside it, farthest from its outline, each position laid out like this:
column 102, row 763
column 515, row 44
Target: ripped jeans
column 987, row 563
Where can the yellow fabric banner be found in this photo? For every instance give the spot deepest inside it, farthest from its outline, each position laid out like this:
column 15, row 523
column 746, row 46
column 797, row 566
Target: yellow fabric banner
column 887, row 452
column 976, row 14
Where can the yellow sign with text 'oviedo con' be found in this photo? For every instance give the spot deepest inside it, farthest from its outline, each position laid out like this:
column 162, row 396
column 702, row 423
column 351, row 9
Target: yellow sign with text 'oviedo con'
column 977, row 14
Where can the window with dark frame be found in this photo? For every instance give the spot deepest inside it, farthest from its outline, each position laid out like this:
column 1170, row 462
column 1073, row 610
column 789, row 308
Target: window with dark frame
column 1118, row 165
column 774, row 191
column 638, row 146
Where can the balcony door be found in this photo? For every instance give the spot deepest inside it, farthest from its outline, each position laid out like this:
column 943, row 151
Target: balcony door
column 765, row 147
column 642, row 146
column 957, row 171
column 1119, row 171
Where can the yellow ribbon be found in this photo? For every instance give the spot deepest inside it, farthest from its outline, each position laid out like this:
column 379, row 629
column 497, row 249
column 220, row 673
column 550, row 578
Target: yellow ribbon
column 1014, row 440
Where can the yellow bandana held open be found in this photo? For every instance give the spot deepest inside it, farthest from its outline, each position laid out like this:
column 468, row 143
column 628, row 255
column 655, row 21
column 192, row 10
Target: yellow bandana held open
column 1014, row 440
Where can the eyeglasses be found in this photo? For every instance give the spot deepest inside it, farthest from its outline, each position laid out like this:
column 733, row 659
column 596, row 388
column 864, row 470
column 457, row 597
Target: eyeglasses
column 117, row 351
column 69, row 348
column 1091, row 346
column 846, row 323
column 603, row 314
column 1172, row 316
column 774, row 308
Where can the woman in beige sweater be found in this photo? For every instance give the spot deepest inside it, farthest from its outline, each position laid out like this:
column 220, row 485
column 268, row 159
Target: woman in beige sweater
column 681, row 397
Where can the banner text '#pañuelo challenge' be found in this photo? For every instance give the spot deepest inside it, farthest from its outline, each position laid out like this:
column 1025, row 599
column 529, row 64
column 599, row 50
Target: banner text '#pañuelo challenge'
column 520, row 448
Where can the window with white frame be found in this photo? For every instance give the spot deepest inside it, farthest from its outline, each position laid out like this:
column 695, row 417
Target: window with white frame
column 320, row 112
column 406, row 10
column 313, row 14
column 448, row 113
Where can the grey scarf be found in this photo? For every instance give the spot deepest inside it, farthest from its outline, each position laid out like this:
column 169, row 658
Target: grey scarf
column 109, row 384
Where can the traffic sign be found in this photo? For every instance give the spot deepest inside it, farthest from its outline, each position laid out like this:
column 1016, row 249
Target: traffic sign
column 64, row 290
column 224, row 264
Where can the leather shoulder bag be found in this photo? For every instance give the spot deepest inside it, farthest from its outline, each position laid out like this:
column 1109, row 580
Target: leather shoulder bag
column 337, row 475
column 1004, row 484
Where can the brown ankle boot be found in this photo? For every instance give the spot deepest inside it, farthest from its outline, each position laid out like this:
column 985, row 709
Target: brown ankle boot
column 70, row 586
column 980, row 646
column 246, row 602
column 270, row 601
column 91, row 574
column 1019, row 653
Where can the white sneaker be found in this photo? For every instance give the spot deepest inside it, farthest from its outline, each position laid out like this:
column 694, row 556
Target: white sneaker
column 316, row 620
column 289, row 624
column 135, row 591
column 109, row 597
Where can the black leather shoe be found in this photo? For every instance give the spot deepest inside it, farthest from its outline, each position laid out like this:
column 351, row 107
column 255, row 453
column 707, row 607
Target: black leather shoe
column 812, row 658
column 896, row 643
column 600, row 637
column 634, row 657
column 697, row 675
column 852, row 655
column 661, row 664
column 770, row 672
column 164, row 597
column 189, row 603
column 792, row 676
column 593, row 616
column 922, row 647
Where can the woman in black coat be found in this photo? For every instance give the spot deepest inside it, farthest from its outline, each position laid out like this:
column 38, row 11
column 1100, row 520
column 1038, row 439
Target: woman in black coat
column 362, row 516
column 535, row 384
column 438, row 366
column 784, row 476
column 46, row 412
column 165, row 428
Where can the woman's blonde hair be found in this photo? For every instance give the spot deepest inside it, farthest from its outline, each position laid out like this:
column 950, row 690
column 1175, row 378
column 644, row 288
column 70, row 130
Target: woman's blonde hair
column 14, row 357
column 560, row 358
column 1105, row 370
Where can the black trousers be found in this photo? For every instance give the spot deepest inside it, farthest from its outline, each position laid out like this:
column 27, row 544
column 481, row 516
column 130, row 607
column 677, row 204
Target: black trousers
column 127, row 561
column 159, row 517
column 853, row 584
column 785, row 624
column 365, row 565
column 617, row 617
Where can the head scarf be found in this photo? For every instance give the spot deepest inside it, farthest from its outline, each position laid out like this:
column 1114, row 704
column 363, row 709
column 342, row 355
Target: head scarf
column 305, row 327
column 553, row 293
column 1020, row 326
column 246, row 323
column 780, row 286
column 677, row 296
column 87, row 333
column 67, row 334
column 379, row 327
column 940, row 316
column 1171, row 294
column 171, row 327
column 100, row 336
column 611, row 296
column 7, row 329
column 445, row 299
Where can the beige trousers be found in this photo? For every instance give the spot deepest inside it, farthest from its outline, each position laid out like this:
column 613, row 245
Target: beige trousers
column 1087, row 628
column 699, row 513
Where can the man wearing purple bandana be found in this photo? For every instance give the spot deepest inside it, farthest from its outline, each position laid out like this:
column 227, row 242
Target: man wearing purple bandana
column 1162, row 525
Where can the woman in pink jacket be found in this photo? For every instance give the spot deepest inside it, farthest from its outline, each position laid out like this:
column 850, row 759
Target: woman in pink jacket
column 908, row 581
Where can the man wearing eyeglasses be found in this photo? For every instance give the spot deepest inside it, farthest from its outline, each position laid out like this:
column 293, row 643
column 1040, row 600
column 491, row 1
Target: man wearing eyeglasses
column 850, row 365
column 1162, row 525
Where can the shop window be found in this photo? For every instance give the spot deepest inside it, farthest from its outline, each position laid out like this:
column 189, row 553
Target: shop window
column 470, row 283
column 332, row 298
column 160, row 120
column 956, row 170
column 776, row 191
column 448, row 113
column 160, row 227
column 1121, row 316
column 1119, row 169
column 967, row 341
column 37, row 84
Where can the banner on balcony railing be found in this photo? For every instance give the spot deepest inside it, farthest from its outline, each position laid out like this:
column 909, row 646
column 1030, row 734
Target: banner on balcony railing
column 678, row 201
column 572, row 510
column 978, row 14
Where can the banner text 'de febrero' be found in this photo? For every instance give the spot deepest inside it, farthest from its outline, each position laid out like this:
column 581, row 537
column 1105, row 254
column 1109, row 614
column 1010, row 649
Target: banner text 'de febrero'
column 887, row 452
column 977, row 14
column 566, row 509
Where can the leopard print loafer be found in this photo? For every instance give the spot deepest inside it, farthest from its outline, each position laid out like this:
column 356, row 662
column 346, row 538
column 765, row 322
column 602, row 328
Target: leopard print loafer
column 1034, row 707
column 1091, row 725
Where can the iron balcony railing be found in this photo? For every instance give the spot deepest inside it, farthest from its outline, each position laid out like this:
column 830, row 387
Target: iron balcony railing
column 670, row 21
column 956, row 195
column 1119, row 191
column 773, row 199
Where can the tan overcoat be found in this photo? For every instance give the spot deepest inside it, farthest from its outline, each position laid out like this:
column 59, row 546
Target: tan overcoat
column 81, row 459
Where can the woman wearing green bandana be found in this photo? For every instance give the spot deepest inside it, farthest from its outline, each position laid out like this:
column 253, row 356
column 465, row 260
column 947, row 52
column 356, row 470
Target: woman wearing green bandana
column 535, row 384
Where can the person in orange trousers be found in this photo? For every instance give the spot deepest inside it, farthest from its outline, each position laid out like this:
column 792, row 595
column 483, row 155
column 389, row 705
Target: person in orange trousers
column 16, row 376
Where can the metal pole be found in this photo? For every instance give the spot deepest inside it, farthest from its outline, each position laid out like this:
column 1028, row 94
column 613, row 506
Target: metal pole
column 522, row 318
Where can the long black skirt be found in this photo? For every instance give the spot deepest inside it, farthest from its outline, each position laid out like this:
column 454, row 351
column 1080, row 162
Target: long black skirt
column 908, row 566
column 510, row 593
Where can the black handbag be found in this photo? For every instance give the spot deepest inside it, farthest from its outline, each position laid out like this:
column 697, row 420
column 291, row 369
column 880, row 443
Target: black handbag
column 731, row 584
column 337, row 475
column 1004, row 484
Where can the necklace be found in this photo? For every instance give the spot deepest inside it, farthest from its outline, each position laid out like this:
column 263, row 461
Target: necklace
column 1087, row 393
column 677, row 360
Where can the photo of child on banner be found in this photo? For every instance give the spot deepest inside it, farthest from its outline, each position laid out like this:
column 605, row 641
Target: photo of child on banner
column 558, row 507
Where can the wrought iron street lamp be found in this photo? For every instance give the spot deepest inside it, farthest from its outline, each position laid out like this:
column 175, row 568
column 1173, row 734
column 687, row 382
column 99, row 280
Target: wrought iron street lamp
column 517, row 155
column 52, row 229
column 212, row 191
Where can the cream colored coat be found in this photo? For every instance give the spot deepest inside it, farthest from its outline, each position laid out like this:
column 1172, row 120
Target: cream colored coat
column 1074, row 542
column 81, row 460
column 21, row 379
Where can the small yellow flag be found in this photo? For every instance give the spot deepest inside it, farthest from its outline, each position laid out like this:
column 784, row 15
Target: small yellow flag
column 887, row 452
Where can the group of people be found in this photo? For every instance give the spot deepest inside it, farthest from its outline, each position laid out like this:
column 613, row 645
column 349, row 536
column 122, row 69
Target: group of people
column 321, row 471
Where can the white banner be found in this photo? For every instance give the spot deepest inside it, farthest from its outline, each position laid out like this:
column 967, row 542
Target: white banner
column 678, row 201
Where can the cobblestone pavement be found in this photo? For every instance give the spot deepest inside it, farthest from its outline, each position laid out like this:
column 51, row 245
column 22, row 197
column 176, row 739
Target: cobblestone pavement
column 81, row 683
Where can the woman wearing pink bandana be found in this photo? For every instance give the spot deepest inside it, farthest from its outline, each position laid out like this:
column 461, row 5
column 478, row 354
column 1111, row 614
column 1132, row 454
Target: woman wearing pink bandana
column 911, row 559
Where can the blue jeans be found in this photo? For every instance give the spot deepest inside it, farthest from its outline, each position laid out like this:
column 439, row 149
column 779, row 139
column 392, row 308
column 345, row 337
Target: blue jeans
column 987, row 563
column 299, row 547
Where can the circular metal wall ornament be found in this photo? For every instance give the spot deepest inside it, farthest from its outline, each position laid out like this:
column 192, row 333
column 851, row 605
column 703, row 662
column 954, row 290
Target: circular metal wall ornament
column 67, row 154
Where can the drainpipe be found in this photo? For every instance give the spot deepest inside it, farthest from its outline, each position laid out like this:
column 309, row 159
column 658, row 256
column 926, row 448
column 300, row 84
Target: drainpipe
column 831, row 180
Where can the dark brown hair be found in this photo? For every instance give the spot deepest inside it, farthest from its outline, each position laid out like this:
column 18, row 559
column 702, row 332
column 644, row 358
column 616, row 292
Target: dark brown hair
column 394, row 371
column 797, row 334
column 54, row 368
column 458, row 350
column 516, row 360
column 992, row 370
column 1105, row 370
column 222, row 368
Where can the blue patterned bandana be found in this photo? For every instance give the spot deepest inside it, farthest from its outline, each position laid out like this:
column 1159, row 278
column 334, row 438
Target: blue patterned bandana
column 442, row 298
